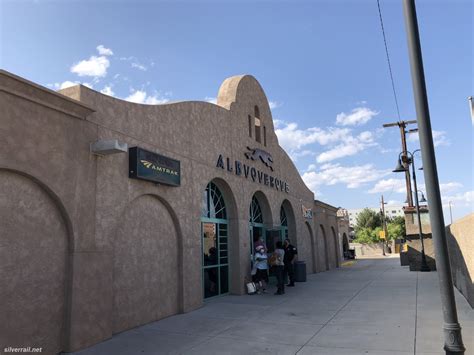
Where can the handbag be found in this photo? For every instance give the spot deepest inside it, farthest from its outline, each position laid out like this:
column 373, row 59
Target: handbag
column 273, row 259
column 251, row 288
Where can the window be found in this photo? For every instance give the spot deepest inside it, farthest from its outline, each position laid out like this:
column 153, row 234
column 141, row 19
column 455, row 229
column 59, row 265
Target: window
column 250, row 126
column 258, row 124
column 257, row 112
column 258, row 138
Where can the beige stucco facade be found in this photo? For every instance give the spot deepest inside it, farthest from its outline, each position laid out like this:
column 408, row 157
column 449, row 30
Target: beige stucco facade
column 460, row 237
column 327, row 249
column 87, row 252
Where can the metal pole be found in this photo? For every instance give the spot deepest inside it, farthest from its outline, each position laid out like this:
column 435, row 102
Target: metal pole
column 384, row 229
column 424, row 266
column 453, row 343
column 405, row 164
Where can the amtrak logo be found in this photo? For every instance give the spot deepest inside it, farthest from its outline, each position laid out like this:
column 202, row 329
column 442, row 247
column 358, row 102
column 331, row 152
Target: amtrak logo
column 160, row 169
column 264, row 156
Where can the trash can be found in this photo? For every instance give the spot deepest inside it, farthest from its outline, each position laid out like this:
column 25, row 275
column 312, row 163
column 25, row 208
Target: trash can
column 300, row 271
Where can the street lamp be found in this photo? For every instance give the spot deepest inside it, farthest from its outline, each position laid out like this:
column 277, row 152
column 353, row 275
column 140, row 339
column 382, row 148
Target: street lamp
column 453, row 343
column 423, row 199
column 400, row 168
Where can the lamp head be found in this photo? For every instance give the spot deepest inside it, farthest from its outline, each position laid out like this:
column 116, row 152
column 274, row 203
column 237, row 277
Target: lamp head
column 399, row 168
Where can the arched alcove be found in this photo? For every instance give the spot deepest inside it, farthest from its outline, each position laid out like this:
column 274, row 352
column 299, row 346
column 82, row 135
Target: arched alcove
column 147, row 263
column 345, row 245
column 336, row 246
column 36, row 234
column 291, row 221
column 313, row 248
column 325, row 241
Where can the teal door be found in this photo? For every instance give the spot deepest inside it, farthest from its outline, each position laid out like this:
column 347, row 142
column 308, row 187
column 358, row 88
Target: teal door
column 215, row 258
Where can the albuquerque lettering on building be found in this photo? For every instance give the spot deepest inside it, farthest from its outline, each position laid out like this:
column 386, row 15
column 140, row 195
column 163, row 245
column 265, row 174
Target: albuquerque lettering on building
column 248, row 172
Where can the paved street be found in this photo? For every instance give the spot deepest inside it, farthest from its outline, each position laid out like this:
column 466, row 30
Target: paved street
column 373, row 306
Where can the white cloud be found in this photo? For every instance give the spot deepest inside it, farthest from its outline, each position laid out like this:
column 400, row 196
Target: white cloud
column 350, row 146
column 94, row 66
column 303, row 153
column 104, row 51
column 357, row 117
column 139, row 66
column 66, row 84
column 439, row 138
column 384, row 185
column 291, row 138
column 274, row 104
column 351, row 176
column 449, row 187
column 141, row 97
column 212, row 100
column 107, row 90
column 394, row 203
column 465, row 199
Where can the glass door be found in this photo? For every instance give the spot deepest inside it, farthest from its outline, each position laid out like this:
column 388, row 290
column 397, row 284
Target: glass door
column 215, row 259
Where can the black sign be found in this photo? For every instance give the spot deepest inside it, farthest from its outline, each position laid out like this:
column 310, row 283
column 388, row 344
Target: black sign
column 145, row 165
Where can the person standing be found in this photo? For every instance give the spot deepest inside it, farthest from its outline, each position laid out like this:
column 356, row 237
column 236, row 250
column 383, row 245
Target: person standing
column 261, row 264
column 289, row 260
column 278, row 265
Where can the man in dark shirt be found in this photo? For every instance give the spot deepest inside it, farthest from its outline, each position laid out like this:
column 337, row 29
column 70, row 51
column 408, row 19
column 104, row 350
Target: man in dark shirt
column 289, row 260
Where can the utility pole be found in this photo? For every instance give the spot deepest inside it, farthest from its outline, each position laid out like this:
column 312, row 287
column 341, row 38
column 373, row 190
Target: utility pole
column 402, row 125
column 384, row 224
column 453, row 343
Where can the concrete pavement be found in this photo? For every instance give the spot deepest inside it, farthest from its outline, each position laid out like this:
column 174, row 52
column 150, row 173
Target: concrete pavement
column 373, row 306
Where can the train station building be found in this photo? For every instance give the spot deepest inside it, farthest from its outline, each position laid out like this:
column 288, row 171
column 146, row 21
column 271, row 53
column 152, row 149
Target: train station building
column 116, row 214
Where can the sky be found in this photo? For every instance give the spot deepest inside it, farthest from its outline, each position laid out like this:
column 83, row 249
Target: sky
column 322, row 65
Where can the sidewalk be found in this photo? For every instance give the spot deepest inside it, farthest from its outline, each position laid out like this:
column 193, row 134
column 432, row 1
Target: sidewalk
column 373, row 306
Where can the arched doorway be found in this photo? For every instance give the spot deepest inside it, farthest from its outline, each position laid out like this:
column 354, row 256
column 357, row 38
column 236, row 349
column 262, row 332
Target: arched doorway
column 326, row 251
column 345, row 246
column 336, row 246
column 283, row 224
column 256, row 225
column 214, row 237
column 313, row 248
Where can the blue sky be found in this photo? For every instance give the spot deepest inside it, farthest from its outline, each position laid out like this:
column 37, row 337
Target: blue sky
column 322, row 65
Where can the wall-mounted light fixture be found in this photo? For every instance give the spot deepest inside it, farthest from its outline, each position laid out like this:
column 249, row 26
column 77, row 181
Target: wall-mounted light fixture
column 107, row 147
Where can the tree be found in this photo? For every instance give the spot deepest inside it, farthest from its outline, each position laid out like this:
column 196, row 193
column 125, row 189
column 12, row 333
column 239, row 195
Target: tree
column 396, row 228
column 368, row 219
column 367, row 235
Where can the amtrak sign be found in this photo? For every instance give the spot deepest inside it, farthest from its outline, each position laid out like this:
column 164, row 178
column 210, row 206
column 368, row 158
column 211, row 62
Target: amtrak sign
column 248, row 172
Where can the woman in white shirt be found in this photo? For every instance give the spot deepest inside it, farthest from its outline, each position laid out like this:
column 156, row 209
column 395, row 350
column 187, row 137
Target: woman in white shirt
column 261, row 276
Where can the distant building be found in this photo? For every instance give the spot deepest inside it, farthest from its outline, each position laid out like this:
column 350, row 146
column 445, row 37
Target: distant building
column 390, row 211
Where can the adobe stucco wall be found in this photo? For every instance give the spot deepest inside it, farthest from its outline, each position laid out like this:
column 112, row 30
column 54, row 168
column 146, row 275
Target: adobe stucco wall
column 460, row 237
column 326, row 248
column 367, row 250
column 87, row 252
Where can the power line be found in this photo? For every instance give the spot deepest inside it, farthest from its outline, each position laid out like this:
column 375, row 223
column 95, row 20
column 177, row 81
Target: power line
column 388, row 60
